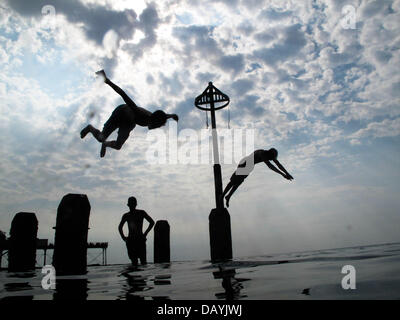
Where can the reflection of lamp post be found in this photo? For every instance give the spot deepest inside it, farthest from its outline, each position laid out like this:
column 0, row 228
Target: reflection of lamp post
column 219, row 219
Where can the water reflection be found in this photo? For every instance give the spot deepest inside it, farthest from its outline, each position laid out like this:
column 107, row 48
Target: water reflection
column 162, row 280
column 16, row 289
column 134, row 284
column 192, row 280
column 71, row 288
column 140, row 280
column 231, row 285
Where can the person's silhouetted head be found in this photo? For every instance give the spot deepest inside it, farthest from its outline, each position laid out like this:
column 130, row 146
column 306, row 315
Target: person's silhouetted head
column 157, row 119
column 274, row 153
column 132, row 203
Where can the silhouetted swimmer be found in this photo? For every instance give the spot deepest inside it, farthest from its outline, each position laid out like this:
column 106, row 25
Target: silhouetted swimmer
column 246, row 165
column 125, row 118
column 136, row 239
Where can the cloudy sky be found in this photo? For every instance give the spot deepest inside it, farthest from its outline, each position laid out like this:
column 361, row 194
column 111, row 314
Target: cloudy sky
column 319, row 83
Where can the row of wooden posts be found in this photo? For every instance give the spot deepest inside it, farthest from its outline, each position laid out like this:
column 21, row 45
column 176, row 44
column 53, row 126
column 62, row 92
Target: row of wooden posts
column 70, row 242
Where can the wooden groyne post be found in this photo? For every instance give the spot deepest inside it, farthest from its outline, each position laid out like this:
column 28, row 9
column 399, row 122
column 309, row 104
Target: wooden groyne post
column 3, row 241
column 22, row 242
column 162, row 242
column 70, row 243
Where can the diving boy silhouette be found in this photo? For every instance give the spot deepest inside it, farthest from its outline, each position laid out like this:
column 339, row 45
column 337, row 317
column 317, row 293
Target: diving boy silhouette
column 246, row 165
column 125, row 118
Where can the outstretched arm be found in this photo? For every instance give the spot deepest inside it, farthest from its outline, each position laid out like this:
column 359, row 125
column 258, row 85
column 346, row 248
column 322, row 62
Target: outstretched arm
column 151, row 224
column 120, row 228
column 288, row 176
column 283, row 173
column 173, row 116
column 117, row 89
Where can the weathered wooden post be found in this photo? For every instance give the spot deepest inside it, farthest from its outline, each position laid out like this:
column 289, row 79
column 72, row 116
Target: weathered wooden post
column 161, row 242
column 22, row 242
column 70, row 243
column 219, row 219
column 3, row 241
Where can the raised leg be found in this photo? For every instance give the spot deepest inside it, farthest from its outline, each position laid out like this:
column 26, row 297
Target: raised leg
column 228, row 197
column 110, row 144
column 99, row 136
column 227, row 188
column 123, row 135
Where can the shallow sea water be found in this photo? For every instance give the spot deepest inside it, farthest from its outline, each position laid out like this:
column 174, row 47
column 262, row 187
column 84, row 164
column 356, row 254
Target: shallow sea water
column 300, row 276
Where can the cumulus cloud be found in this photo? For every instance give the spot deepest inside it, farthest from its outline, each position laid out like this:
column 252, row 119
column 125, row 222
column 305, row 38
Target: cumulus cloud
column 148, row 23
column 293, row 41
column 95, row 20
column 385, row 128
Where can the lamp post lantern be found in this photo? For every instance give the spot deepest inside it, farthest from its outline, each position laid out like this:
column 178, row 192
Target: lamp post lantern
column 219, row 219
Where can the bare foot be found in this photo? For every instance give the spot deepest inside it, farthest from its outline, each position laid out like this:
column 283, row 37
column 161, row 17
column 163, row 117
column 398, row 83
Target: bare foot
column 102, row 74
column 103, row 150
column 227, row 202
column 85, row 131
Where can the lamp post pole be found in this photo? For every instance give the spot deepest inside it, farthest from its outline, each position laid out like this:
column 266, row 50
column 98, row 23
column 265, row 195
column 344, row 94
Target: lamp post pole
column 219, row 219
column 217, row 166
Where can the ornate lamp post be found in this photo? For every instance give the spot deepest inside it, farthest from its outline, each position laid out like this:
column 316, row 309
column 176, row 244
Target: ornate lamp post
column 219, row 219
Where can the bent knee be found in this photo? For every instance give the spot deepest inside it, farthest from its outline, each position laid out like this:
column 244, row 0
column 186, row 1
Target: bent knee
column 100, row 137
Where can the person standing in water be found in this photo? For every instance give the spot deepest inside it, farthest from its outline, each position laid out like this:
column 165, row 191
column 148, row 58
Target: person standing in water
column 136, row 239
column 125, row 118
column 246, row 166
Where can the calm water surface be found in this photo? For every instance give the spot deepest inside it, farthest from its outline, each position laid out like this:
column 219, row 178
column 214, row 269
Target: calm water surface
column 300, row 276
